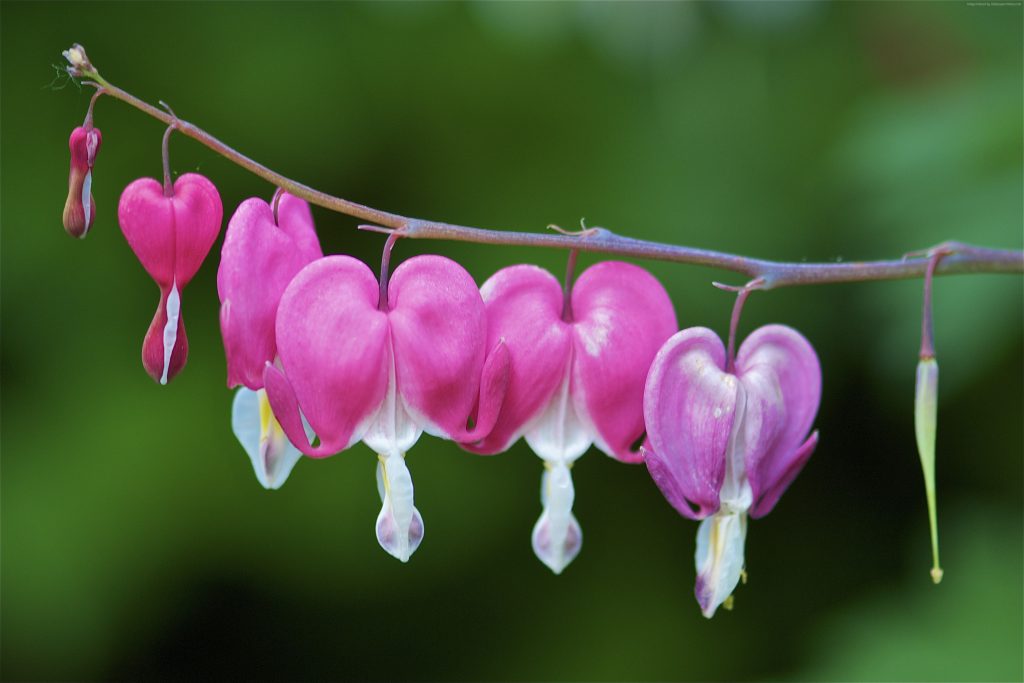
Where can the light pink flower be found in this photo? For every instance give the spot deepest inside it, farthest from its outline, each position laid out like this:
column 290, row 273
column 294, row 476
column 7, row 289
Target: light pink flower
column 726, row 441
column 385, row 371
column 264, row 248
column 577, row 376
column 171, row 236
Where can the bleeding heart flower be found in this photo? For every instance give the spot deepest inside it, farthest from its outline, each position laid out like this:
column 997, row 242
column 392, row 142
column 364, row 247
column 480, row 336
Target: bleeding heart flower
column 577, row 376
column 170, row 234
column 80, row 209
column 263, row 250
column 728, row 440
column 384, row 369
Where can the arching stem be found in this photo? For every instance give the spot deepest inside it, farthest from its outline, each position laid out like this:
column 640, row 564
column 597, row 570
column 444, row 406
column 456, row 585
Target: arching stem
column 168, row 185
column 927, row 321
column 741, row 298
column 87, row 123
column 570, row 274
column 385, row 263
column 275, row 203
column 775, row 274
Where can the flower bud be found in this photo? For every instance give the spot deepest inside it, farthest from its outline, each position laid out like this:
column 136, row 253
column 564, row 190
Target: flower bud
column 78, row 62
column 80, row 209
column 925, row 409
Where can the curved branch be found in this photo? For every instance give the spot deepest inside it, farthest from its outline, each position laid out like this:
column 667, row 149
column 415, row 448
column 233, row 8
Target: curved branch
column 962, row 258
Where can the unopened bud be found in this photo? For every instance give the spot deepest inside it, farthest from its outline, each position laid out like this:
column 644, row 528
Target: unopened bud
column 925, row 410
column 78, row 60
column 80, row 209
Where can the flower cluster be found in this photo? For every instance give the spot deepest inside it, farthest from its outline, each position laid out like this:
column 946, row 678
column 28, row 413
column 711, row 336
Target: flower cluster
column 325, row 354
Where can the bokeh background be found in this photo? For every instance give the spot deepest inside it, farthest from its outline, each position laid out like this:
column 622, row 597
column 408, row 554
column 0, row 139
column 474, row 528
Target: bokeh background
column 136, row 542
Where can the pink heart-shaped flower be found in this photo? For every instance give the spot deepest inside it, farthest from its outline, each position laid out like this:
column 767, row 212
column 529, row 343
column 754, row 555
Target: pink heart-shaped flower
column 171, row 236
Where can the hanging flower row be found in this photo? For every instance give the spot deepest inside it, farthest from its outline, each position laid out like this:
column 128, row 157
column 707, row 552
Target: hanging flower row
column 325, row 354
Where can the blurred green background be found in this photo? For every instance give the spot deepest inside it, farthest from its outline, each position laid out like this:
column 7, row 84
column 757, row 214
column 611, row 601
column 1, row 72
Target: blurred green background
column 136, row 540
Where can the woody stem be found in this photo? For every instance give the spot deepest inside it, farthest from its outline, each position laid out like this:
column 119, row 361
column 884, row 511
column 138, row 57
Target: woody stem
column 965, row 259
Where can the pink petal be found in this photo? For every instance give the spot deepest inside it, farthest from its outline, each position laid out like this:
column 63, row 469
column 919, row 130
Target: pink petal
column 295, row 219
column 524, row 310
column 689, row 407
column 438, row 329
column 171, row 235
column 198, row 215
column 622, row 317
column 779, row 369
column 333, row 345
column 147, row 221
column 258, row 260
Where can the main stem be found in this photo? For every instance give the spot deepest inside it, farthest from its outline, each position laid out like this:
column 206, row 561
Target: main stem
column 961, row 258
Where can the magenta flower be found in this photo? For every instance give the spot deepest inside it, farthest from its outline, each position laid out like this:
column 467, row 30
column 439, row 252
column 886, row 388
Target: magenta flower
column 263, row 250
column 577, row 376
column 80, row 209
column 384, row 369
column 170, row 234
column 726, row 441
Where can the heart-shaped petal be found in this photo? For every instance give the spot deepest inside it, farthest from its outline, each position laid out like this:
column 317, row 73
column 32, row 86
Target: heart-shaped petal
column 171, row 235
column 524, row 311
column 333, row 345
column 689, row 406
column 438, row 329
column 258, row 260
column 782, row 377
column 622, row 317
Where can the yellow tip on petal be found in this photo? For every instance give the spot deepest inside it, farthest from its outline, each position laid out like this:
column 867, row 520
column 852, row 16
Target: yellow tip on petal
column 936, row 575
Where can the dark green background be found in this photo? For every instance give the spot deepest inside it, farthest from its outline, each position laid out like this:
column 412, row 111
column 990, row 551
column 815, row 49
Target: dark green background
column 136, row 540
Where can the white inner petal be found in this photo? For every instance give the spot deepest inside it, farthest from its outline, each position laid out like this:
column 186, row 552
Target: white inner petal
column 719, row 558
column 736, row 495
column 271, row 453
column 173, row 309
column 91, row 142
column 720, row 538
column 393, row 430
column 87, row 201
column 558, row 434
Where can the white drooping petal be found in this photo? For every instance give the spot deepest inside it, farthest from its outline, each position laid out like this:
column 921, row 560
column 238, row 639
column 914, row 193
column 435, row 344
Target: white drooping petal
column 399, row 524
column 87, row 201
column 720, row 538
column 256, row 428
column 557, row 537
column 559, row 434
column 173, row 310
column 392, row 432
column 719, row 558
